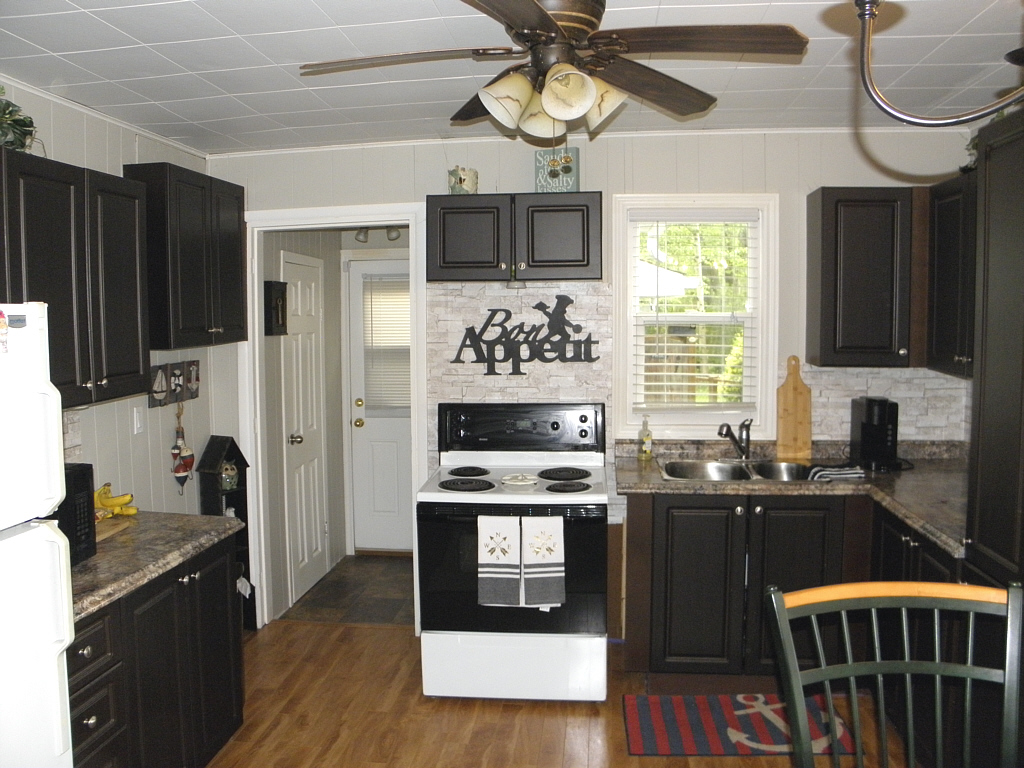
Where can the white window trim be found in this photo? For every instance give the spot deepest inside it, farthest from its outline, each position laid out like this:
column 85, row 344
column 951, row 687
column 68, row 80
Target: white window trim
column 703, row 425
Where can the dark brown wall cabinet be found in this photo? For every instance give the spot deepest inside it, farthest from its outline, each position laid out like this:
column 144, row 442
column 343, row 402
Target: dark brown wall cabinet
column 711, row 559
column 860, row 248
column 995, row 518
column 546, row 236
column 184, row 632
column 951, row 267
column 197, row 264
column 76, row 239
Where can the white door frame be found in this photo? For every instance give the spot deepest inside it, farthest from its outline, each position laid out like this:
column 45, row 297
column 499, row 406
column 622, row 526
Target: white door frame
column 251, row 365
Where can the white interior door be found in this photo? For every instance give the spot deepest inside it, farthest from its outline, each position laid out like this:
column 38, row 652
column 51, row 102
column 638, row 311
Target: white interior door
column 302, row 377
column 380, row 385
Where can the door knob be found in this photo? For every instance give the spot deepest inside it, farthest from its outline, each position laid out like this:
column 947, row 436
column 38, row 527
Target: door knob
column 358, row 423
column 295, row 439
column 359, row 402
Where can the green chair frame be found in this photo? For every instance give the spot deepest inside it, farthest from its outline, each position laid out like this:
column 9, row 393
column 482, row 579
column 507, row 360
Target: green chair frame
column 862, row 659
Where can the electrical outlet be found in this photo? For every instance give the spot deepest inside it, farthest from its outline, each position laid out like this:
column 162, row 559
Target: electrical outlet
column 138, row 424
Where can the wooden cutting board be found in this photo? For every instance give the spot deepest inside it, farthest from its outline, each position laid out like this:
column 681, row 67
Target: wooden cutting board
column 108, row 526
column 793, row 441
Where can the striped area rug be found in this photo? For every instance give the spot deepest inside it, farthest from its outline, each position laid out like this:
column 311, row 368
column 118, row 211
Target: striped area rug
column 738, row 724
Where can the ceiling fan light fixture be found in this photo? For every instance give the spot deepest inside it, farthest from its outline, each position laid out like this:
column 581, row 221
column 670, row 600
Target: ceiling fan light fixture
column 568, row 93
column 608, row 99
column 507, row 98
column 536, row 122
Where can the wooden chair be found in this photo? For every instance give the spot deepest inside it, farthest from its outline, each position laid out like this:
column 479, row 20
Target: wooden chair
column 954, row 649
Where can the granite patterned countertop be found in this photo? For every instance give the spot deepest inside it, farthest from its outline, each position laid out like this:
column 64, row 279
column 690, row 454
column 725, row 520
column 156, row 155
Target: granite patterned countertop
column 931, row 498
column 153, row 543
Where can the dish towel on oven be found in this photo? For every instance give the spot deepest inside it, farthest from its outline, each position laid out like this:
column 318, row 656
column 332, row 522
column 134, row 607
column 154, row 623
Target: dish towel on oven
column 498, row 560
column 543, row 561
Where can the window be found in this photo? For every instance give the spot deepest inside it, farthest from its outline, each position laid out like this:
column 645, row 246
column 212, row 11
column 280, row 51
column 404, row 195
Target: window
column 386, row 342
column 695, row 297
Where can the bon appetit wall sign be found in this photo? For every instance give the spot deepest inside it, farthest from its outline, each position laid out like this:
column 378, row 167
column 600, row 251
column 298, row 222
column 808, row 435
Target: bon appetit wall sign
column 499, row 342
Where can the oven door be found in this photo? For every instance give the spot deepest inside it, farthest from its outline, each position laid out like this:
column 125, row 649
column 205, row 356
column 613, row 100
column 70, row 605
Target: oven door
column 446, row 537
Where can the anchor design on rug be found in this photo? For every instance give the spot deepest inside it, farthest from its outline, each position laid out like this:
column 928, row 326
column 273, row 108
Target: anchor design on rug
column 756, row 704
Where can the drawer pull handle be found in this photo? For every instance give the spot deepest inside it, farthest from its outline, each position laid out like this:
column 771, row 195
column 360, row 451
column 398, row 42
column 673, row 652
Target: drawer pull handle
column 91, row 722
column 758, row 510
column 739, row 510
column 86, row 652
column 185, row 579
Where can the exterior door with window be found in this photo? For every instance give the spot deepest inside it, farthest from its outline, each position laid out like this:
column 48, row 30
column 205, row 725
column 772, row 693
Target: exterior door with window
column 381, row 417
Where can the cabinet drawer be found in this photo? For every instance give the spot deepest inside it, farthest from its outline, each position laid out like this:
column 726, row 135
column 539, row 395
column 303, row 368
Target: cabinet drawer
column 113, row 753
column 97, row 711
column 96, row 647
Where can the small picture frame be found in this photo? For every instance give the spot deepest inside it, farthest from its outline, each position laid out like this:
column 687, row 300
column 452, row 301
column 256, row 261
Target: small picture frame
column 275, row 308
column 159, row 386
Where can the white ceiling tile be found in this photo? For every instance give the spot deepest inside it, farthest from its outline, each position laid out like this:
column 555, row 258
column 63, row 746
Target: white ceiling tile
column 34, row 7
column 171, row 87
column 45, row 71
column 96, row 94
column 164, row 22
column 212, row 55
column 305, row 46
column 254, row 17
column 350, row 12
column 12, row 46
column 400, row 36
column 209, row 108
column 137, row 61
column 142, row 114
column 256, row 80
column 67, row 32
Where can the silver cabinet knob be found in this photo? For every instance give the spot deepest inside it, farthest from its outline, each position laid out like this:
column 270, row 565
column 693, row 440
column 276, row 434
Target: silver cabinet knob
column 739, row 510
column 91, row 722
column 758, row 510
column 295, row 439
column 903, row 352
column 86, row 652
column 185, row 579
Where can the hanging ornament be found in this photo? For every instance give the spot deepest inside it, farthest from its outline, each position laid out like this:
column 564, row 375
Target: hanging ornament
column 182, row 457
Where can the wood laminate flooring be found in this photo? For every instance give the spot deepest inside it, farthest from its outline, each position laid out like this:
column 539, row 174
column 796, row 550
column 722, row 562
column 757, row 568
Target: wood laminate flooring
column 325, row 695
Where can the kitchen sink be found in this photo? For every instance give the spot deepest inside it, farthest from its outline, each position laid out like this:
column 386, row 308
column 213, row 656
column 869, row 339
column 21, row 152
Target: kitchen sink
column 732, row 471
column 784, row 471
column 697, row 469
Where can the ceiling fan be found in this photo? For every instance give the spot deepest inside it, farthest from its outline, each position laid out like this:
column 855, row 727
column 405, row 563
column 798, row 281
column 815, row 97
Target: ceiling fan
column 576, row 69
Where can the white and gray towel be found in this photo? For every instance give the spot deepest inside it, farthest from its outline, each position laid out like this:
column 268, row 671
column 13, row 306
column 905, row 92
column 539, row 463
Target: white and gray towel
column 499, row 571
column 844, row 472
column 543, row 561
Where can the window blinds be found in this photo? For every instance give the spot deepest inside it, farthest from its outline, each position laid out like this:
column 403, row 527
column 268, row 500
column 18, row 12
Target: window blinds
column 694, row 307
column 386, row 341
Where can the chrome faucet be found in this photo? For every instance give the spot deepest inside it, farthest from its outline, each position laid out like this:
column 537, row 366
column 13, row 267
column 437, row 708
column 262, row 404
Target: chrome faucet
column 741, row 444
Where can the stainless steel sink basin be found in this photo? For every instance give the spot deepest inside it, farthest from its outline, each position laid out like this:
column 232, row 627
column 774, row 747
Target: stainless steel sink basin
column 697, row 469
column 783, row 471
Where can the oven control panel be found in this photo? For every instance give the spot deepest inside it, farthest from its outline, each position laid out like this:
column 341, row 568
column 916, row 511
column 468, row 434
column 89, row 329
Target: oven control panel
column 520, row 427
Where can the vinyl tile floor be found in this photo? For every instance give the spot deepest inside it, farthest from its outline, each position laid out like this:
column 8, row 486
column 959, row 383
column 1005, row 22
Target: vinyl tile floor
column 361, row 589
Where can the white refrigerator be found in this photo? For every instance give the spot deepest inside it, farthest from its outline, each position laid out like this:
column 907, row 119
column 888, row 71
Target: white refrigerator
column 36, row 622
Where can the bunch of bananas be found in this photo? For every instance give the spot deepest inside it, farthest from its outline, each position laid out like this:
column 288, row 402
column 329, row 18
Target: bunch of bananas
column 107, row 504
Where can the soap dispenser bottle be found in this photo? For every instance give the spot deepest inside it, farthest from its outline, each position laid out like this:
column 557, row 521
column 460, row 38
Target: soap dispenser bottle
column 646, row 438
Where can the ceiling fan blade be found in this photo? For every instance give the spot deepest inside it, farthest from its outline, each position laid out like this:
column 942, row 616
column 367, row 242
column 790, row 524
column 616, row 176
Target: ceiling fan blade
column 342, row 65
column 658, row 88
column 474, row 108
column 520, row 15
column 737, row 38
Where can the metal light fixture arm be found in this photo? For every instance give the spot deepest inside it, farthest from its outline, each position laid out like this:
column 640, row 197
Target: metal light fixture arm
column 867, row 12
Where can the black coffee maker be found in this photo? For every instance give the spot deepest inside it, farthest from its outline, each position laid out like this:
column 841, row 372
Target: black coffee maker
column 874, row 423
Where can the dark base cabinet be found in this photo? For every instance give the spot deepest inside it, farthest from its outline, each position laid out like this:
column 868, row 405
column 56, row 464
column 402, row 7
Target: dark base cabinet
column 711, row 559
column 185, row 633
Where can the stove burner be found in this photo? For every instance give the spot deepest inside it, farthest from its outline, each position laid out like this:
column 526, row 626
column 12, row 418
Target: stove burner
column 568, row 487
column 519, row 478
column 564, row 473
column 465, row 485
column 468, row 472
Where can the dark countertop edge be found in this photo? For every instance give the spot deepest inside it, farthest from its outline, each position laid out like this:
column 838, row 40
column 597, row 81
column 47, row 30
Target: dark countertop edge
column 633, row 476
column 100, row 597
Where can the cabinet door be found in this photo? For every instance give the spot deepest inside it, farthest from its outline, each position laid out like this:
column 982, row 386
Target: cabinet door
column 891, row 557
column 47, row 261
column 795, row 542
column 228, row 264
column 117, row 262
column 954, row 206
column 558, row 236
column 469, row 237
column 215, row 651
column 858, row 276
column 994, row 512
column 156, row 633
column 697, row 594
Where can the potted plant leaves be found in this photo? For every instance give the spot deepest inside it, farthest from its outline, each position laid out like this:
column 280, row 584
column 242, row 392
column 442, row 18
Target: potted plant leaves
column 17, row 131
